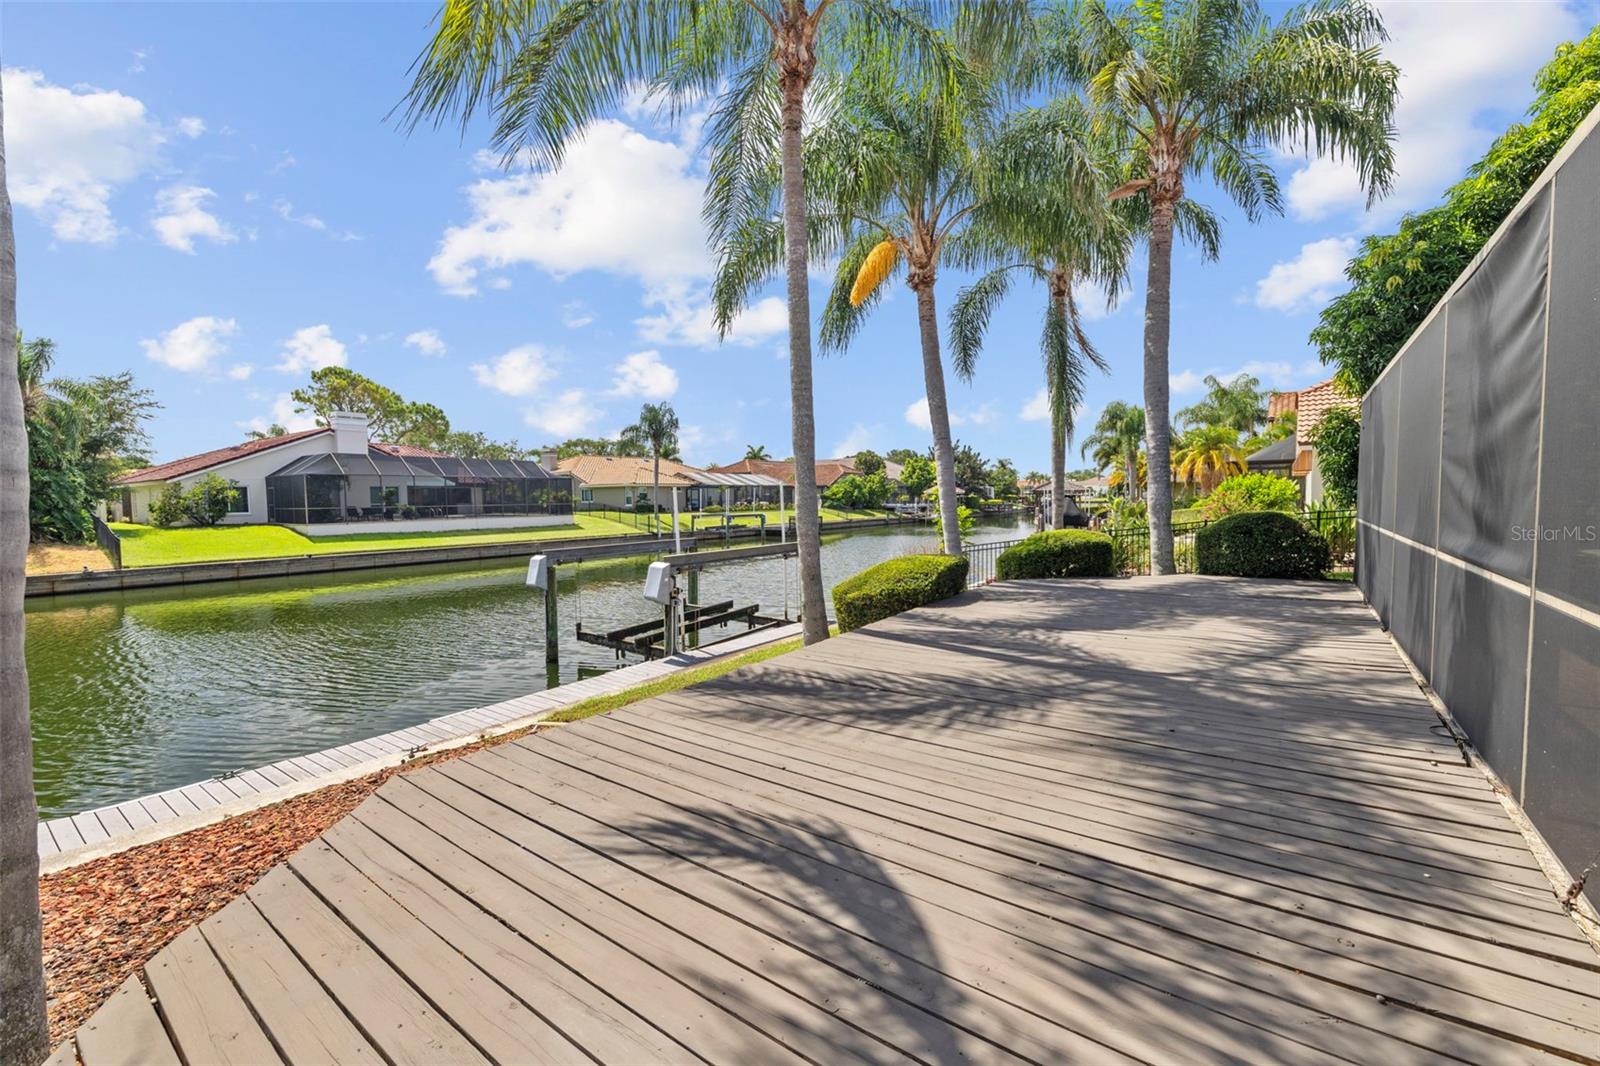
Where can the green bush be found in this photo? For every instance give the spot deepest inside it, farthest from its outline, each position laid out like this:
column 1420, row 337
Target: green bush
column 897, row 585
column 1260, row 544
column 167, row 508
column 1058, row 553
column 1251, row 492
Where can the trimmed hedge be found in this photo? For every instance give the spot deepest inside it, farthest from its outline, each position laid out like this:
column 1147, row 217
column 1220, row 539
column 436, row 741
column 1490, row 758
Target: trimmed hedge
column 1261, row 544
column 1058, row 553
column 897, row 585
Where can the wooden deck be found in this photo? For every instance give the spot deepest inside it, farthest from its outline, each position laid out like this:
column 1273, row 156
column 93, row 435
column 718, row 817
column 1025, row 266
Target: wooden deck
column 1160, row 820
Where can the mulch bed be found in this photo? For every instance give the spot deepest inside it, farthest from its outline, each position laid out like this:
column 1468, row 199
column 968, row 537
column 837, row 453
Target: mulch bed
column 105, row 918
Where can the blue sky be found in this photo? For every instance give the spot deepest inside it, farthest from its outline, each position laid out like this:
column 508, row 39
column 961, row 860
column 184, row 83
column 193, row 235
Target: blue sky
column 211, row 196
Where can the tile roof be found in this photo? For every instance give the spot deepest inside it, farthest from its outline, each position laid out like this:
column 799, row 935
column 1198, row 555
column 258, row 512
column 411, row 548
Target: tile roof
column 1315, row 403
column 828, row 470
column 193, row 464
column 410, row 451
column 625, row 470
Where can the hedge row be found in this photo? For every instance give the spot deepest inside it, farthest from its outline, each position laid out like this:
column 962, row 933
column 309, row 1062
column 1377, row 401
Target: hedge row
column 897, row 585
column 1058, row 553
column 1261, row 544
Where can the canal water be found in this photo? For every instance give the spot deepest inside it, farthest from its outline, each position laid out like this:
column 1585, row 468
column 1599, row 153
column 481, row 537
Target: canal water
column 140, row 691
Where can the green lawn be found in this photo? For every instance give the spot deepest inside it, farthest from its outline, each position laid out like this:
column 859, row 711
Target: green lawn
column 148, row 546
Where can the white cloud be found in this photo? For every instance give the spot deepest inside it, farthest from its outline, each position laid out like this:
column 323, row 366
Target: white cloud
column 68, row 149
column 312, row 348
column 284, row 162
column 286, row 212
column 284, row 414
column 567, row 415
column 643, row 375
column 621, row 202
column 1278, row 374
column 690, row 322
column 519, row 372
column 1310, row 279
column 859, row 439
column 1037, row 409
column 191, row 346
column 240, row 372
column 182, row 217
column 191, row 126
column 1185, row 381
column 574, row 315
column 1455, row 63
column 917, row 415
column 426, row 341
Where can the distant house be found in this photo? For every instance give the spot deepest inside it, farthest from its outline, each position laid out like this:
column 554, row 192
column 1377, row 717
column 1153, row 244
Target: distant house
column 1296, row 457
column 323, row 481
column 828, row 470
column 627, row 482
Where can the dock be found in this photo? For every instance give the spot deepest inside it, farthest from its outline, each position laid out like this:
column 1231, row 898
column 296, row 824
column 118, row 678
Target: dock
column 1157, row 820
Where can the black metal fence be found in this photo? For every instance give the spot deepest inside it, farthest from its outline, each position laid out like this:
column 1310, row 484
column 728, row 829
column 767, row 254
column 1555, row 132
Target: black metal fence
column 981, row 558
column 109, row 542
column 1131, row 544
column 1480, row 503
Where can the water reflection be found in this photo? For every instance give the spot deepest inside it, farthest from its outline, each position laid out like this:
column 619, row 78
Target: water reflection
column 140, row 691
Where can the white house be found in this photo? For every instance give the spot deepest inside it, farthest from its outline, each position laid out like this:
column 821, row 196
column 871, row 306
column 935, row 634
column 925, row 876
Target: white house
column 330, row 480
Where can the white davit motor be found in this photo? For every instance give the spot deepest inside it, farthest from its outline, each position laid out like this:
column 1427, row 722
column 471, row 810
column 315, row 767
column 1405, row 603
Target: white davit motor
column 658, row 583
column 539, row 572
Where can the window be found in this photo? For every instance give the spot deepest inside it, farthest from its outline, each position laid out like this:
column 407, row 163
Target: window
column 586, row 495
column 240, row 504
column 627, row 497
column 386, row 495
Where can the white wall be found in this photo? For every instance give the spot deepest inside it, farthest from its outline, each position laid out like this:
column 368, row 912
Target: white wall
column 249, row 472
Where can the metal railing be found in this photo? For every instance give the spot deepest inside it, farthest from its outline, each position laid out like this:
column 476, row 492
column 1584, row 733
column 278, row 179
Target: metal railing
column 981, row 560
column 1131, row 544
column 109, row 542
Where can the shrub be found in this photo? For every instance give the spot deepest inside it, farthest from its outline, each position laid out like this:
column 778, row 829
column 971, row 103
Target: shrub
column 1260, row 544
column 1252, row 492
column 897, row 585
column 1058, row 553
column 207, row 501
column 167, row 508
column 1337, row 439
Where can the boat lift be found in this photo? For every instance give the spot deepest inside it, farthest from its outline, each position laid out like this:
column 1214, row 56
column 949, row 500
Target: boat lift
column 682, row 616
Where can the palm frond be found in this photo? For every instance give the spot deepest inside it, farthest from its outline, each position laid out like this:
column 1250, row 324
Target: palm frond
column 969, row 318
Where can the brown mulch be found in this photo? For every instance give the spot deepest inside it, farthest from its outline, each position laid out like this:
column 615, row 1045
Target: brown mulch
column 105, row 918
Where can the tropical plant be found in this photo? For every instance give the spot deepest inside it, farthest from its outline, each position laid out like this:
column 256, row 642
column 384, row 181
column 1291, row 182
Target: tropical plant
column 1397, row 278
column 596, row 446
column 859, row 491
column 1337, row 439
column 547, row 70
column 1280, row 428
column 868, row 462
column 276, row 429
column 1238, row 404
column 917, row 475
column 207, row 501
column 1251, row 492
column 966, row 519
column 900, row 168
column 1117, row 441
column 1207, row 454
column 1003, row 480
column 24, row 1027
column 1053, row 225
column 656, row 430
column 390, row 417
column 755, row 451
column 1212, row 89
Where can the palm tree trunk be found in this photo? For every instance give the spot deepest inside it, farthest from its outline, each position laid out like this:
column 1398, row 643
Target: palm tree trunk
column 1157, row 388
column 24, row 1030
column 655, row 485
column 1058, row 471
column 944, row 457
column 797, row 63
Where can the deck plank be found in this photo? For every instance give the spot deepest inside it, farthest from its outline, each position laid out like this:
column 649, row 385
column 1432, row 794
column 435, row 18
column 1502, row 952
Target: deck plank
column 126, row 1032
column 209, row 1021
column 1180, row 819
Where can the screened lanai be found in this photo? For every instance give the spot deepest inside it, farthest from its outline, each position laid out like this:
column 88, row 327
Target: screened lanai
column 713, row 492
column 379, row 486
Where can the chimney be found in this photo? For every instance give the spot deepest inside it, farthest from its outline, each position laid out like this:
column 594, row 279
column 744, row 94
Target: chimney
column 548, row 460
column 349, row 432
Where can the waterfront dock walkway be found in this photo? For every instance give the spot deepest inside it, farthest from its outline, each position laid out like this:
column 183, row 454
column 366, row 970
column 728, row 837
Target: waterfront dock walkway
column 1155, row 820
column 71, row 839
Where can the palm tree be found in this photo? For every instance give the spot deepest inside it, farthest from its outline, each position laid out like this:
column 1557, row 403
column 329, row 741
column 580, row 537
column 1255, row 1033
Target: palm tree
column 1238, row 404
column 657, row 430
column 548, row 69
column 1207, row 454
column 755, row 451
column 1212, row 88
column 24, row 1030
column 1118, row 435
column 1059, row 230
